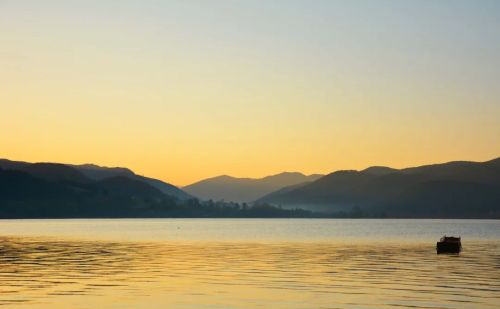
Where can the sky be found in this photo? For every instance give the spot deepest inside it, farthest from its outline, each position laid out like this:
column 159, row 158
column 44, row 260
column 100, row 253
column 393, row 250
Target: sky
column 185, row 90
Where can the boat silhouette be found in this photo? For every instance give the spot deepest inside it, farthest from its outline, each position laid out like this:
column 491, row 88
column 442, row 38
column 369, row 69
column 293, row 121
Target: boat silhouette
column 449, row 244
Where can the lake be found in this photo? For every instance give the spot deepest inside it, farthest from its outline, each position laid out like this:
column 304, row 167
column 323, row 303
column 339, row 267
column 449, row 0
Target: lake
column 247, row 263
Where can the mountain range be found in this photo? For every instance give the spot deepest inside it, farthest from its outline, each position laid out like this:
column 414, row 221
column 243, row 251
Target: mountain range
column 54, row 190
column 88, row 172
column 247, row 190
column 459, row 189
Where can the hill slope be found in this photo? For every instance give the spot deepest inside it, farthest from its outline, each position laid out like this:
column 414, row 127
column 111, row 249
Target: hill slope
column 99, row 172
column 88, row 173
column 23, row 195
column 244, row 189
column 51, row 190
column 454, row 189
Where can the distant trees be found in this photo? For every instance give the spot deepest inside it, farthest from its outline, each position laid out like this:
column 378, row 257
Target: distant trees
column 221, row 209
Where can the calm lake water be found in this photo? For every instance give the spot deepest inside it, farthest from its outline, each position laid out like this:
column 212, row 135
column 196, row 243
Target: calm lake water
column 247, row 263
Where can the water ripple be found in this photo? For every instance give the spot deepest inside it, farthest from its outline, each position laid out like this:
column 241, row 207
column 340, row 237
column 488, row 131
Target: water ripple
column 42, row 273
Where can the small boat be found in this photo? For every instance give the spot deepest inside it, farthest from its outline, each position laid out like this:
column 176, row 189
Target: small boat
column 449, row 245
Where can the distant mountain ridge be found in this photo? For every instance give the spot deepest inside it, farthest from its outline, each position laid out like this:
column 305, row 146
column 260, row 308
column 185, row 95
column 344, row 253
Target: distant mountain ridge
column 54, row 190
column 458, row 189
column 98, row 172
column 453, row 189
column 86, row 173
column 235, row 189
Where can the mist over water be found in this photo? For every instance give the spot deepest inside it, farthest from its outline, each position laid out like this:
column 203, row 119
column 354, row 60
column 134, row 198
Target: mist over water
column 244, row 263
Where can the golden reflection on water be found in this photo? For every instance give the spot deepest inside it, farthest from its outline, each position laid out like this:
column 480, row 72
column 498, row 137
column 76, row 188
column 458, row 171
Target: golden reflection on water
column 47, row 273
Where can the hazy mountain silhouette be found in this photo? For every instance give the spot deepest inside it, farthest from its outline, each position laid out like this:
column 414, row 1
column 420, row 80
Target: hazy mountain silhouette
column 379, row 170
column 87, row 173
column 234, row 189
column 51, row 190
column 99, row 172
column 454, row 189
column 449, row 190
column 23, row 195
column 47, row 171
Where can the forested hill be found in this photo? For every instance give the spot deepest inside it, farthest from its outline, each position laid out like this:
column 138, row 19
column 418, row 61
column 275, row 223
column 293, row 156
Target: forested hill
column 53, row 190
column 457, row 189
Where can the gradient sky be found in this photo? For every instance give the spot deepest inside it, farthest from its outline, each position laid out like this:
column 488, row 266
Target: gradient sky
column 183, row 90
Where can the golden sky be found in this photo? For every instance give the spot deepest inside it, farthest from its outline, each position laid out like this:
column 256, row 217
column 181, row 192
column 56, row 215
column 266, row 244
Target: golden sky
column 184, row 90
